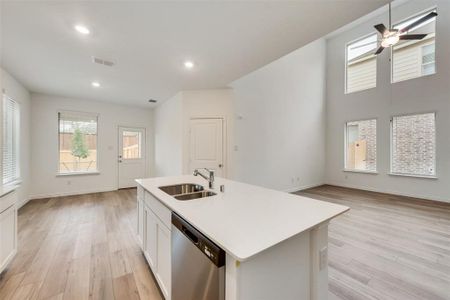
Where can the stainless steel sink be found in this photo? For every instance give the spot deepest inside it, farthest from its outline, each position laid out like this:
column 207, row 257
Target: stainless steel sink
column 196, row 195
column 179, row 189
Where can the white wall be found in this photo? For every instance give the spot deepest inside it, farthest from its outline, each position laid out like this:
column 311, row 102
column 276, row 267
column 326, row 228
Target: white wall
column 168, row 137
column 172, row 127
column 44, row 137
column 280, row 125
column 209, row 104
column 424, row 94
column 19, row 93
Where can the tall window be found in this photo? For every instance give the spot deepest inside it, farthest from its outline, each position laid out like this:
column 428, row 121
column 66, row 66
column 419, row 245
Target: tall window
column 361, row 70
column 11, row 137
column 361, row 145
column 77, row 142
column 414, row 145
column 415, row 58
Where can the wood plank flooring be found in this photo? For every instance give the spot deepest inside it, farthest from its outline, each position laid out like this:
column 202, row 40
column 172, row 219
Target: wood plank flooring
column 83, row 247
column 387, row 247
column 79, row 247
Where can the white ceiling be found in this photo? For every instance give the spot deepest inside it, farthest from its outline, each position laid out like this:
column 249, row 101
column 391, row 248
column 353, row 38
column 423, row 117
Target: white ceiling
column 149, row 42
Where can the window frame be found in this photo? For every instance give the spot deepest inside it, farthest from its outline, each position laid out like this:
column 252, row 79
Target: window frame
column 391, row 57
column 97, row 171
column 391, row 146
column 16, row 142
column 346, row 92
column 345, row 169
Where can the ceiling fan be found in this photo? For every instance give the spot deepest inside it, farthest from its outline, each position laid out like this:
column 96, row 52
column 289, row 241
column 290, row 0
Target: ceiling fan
column 391, row 36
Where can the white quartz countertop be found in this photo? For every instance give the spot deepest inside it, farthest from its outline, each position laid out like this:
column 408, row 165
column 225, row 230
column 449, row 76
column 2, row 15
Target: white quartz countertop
column 246, row 219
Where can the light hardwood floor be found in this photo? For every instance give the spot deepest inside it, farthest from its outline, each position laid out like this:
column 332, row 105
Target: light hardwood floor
column 387, row 247
column 83, row 247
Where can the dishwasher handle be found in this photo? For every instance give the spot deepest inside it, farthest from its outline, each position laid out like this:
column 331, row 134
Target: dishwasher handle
column 189, row 235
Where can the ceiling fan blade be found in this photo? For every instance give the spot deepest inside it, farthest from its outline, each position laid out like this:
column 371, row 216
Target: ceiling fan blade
column 363, row 45
column 412, row 36
column 379, row 50
column 381, row 28
column 420, row 21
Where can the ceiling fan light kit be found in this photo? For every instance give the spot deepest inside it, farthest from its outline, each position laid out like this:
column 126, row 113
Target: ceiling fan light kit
column 391, row 36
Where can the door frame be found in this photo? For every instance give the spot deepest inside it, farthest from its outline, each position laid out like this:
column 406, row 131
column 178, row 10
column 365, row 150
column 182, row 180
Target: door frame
column 224, row 141
column 144, row 129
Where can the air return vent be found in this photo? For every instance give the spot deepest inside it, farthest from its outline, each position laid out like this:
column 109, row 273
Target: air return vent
column 100, row 61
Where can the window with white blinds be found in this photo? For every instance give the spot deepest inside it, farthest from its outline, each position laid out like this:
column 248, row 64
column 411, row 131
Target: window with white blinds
column 11, row 137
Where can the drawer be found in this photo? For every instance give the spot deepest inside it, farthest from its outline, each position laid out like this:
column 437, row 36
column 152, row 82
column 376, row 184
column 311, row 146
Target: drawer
column 159, row 209
column 7, row 201
column 140, row 192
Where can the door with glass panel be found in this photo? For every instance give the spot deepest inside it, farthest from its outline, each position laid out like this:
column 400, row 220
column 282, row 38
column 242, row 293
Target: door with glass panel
column 132, row 158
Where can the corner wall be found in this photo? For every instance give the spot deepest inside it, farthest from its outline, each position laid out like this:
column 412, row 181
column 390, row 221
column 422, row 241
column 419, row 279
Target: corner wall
column 280, row 125
column 426, row 94
column 44, row 137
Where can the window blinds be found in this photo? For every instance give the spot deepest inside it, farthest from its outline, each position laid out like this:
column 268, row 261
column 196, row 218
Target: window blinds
column 11, row 136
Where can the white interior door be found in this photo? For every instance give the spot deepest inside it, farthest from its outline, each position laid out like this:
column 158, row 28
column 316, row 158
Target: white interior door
column 206, row 145
column 132, row 156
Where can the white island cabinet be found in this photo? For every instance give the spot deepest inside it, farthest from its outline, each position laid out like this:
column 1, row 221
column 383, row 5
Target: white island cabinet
column 275, row 242
column 8, row 226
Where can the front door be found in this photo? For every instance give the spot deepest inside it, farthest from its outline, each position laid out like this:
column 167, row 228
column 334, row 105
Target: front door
column 206, row 145
column 132, row 158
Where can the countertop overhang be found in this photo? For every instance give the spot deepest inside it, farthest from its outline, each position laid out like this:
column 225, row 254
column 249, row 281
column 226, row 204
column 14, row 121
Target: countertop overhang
column 246, row 219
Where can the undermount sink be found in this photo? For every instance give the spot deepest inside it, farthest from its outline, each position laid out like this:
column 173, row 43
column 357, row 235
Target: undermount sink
column 179, row 189
column 196, row 195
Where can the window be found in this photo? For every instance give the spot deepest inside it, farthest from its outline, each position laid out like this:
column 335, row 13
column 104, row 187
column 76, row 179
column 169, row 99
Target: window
column 361, row 70
column 414, row 145
column 361, row 145
column 77, row 142
column 11, row 137
column 415, row 58
column 131, row 144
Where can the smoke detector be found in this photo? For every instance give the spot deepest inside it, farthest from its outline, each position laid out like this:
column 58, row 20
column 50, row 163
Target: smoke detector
column 100, row 61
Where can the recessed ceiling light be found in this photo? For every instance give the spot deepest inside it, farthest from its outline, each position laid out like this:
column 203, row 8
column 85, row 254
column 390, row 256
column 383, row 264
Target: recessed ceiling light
column 82, row 29
column 188, row 64
column 95, row 84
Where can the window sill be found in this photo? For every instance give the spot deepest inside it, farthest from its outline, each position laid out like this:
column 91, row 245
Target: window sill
column 77, row 174
column 415, row 176
column 360, row 171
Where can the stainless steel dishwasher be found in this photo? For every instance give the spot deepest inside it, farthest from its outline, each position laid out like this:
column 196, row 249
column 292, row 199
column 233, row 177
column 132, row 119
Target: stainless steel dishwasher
column 198, row 265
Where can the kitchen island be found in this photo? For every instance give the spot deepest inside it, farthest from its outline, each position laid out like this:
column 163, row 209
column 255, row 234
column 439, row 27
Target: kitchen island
column 275, row 242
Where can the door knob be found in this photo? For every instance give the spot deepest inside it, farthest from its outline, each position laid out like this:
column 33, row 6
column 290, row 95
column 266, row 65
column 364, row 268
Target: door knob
column 220, row 165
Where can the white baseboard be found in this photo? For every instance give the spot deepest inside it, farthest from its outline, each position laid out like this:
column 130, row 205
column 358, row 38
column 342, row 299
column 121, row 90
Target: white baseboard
column 388, row 191
column 303, row 187
column 72, row 193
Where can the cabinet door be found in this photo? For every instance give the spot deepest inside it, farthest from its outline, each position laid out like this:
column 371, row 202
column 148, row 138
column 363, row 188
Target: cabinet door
column 140, row 221
column 164, row 259
column 7, row 235
column 150, row 248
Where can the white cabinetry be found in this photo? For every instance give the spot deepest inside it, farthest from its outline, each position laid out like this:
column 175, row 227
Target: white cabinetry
column 8, row 229
column 155, row 233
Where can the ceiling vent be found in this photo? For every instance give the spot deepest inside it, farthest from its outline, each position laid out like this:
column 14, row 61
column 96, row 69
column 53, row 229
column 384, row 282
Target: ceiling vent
column 152, row 101
column 100, row 61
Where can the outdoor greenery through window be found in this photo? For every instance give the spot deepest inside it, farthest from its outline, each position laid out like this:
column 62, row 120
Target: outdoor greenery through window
column 415, row 58
column 77, row 142
column 361, row 70
column 414, row 145
column 361, row 145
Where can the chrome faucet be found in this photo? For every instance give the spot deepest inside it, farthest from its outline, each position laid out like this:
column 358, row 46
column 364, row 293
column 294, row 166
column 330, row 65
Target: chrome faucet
column 210, row 178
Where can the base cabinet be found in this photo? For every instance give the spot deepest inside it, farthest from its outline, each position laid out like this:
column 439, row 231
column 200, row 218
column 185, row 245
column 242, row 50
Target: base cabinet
column 8, row 230
column 156, row 240
column 140, row 221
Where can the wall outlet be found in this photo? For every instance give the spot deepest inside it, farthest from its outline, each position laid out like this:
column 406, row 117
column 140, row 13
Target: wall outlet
column 323, row 258
column 69, row 182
